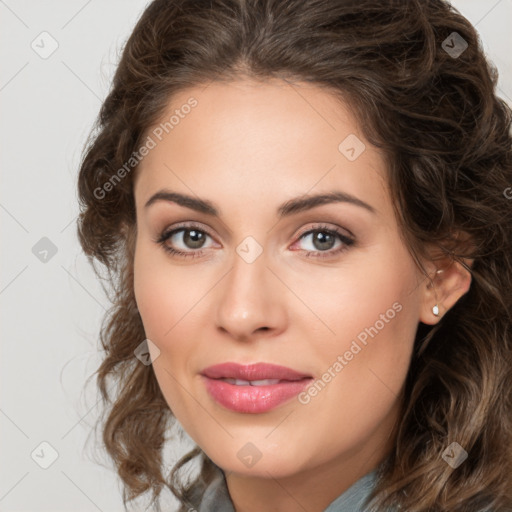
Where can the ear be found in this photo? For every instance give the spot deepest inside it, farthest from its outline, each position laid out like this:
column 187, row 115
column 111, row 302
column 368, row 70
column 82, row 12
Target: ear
column 448, row 281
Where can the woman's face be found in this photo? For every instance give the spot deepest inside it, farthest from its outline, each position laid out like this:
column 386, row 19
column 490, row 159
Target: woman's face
column 326, row 289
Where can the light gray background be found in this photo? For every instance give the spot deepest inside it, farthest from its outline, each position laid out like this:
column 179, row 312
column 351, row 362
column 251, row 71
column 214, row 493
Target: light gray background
column 51, row 311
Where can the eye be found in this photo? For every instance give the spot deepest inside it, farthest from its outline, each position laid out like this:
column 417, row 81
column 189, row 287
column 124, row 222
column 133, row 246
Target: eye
column 323, row 239
column 191, row 236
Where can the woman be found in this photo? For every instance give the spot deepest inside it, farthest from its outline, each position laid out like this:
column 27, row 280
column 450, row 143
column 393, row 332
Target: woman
column 303, row 211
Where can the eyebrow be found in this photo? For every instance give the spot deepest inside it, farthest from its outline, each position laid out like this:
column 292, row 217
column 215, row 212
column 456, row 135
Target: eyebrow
column 290, row 207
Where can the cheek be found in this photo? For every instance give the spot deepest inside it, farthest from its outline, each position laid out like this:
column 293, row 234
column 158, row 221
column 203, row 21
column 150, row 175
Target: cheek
column 148, row 287
column 374, row 316
column 163, row 304
column 168, row 299
column 372, row 313
column 163, row 294
column 374, row 297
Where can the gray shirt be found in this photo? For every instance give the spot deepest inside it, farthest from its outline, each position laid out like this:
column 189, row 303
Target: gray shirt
column 216, row 497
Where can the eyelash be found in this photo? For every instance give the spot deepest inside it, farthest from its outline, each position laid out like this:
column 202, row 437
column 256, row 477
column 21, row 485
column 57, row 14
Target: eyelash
column 165, row 235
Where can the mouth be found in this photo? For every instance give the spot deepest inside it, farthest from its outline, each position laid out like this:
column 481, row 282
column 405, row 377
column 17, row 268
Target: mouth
column 254, row 388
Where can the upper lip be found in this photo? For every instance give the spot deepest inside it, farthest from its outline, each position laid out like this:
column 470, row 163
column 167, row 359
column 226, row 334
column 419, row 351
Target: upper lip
column 256, row 371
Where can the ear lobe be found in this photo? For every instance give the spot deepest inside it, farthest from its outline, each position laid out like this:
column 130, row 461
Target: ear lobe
column 444, row 289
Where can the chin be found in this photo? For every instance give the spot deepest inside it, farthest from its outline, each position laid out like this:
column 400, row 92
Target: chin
column 251, row 461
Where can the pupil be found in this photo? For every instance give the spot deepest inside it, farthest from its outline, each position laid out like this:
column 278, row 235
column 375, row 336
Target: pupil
column 323, row 238
column 194, row 237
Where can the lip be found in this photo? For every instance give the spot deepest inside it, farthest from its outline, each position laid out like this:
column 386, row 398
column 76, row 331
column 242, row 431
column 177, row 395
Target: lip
column 249, row 398
column 256, row 371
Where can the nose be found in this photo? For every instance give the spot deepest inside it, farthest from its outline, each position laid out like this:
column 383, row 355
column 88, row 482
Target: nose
column 250, row 300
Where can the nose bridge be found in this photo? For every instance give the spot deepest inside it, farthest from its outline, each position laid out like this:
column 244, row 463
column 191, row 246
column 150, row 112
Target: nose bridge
column 246, row 302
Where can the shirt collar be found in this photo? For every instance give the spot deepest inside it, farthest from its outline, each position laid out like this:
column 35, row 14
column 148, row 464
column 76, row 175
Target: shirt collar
column 216, row 496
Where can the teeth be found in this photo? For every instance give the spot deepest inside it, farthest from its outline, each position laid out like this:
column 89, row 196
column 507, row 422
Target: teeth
column 264, row 382
column 238, row 382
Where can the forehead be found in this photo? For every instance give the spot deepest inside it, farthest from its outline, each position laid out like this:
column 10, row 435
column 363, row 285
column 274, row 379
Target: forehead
column 261, row 136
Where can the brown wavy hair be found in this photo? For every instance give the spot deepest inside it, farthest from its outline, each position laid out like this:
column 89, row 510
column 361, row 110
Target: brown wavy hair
column 447, row 138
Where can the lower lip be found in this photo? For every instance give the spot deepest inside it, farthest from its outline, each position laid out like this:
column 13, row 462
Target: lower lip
column 253, row 399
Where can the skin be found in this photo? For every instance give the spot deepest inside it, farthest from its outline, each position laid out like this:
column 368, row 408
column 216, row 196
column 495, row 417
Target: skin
column 248, row 147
